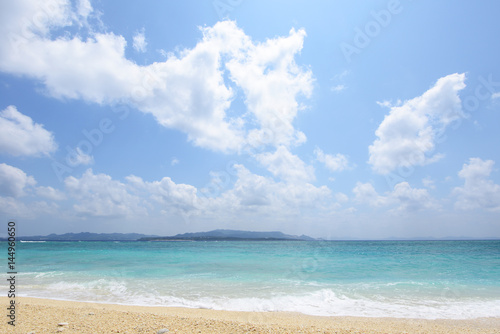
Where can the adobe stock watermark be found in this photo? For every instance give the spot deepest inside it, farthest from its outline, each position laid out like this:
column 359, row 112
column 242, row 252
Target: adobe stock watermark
column 91, row 139
column 38, row 21
column 471, row 103
column 363, row 36
column 224, row 7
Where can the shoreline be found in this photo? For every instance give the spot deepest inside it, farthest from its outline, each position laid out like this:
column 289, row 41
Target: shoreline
column 43, row 316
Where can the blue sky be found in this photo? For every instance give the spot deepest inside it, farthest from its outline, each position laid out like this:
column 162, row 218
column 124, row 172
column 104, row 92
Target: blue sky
column 336, row 119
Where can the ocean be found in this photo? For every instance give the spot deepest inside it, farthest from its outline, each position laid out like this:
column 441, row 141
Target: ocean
column 415, row 279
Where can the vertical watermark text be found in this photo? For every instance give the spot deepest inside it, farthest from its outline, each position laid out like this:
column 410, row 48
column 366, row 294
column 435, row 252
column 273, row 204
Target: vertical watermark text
column 11, row 272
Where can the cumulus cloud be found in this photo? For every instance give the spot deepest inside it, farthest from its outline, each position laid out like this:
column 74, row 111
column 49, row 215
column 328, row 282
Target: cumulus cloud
column 365, row 193
column 286, row 166
column 50, row 193
column 335, row 163
column 78, row 157
column 16, row 190
column 272, row 81
column 84, row 8
column 171, row 197
column 478, row 191
column 98, row 195
column 139, row 42
column 407, row 135
column 13, row 181
column 428, row 183
column 251, row 195
column 251, row 190
column 20, row 136
column 188, row 91
column 16, row 208
column 341, row 197
column 277, row 198
column 413, row 199
column 403, row 198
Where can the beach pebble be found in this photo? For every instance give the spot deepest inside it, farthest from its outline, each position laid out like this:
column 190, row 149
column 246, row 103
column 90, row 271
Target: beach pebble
column 62, row 324
column 162, row 331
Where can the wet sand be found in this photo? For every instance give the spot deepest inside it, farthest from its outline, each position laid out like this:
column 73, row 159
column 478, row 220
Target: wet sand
column 35, row 315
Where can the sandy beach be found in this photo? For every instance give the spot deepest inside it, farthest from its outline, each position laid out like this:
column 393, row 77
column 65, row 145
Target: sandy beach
column 35, row 315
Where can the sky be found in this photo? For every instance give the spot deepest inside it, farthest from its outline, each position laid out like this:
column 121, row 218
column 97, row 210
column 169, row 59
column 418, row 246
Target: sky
column 335, row 119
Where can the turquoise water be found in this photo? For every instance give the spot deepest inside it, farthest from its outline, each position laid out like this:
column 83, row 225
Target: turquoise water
column 422, row 279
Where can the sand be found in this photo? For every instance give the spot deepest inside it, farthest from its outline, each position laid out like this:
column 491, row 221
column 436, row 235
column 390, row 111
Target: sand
column 52, row 316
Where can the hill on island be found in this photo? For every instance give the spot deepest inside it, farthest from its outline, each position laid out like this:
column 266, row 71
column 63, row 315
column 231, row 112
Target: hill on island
column 230, row 235
column 86, row 236
column 197, row 236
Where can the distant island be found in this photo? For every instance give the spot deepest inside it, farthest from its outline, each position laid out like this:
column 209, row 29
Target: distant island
column 215, row 235
column 86, row 236
column 229, row 235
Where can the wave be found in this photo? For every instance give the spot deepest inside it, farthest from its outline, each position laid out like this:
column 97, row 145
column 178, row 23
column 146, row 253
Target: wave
column 320, row 302
column 32, row 241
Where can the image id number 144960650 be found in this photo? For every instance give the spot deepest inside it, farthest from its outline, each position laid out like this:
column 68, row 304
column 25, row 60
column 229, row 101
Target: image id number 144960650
column 11, row 258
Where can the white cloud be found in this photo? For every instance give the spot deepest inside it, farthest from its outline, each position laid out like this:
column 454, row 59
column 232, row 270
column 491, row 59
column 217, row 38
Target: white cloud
column 412, row 199
column 407, row 135
column 272, row 82
column 341, row 197
column 252, row 190
column 174, row 161
column 478, row 191
column 50, row 193
column 17, row 209
column 14, row 181
column 20, row 136
column 187, row 91
column 93, row 70
column 84, row 8
column 13, row 207
column 101, row 196
column 164, row 53
column 15, row 190
column 338, row 88
column 78, row 157
column 22, row 20
column 403, row 198
column 428, row 183
column 251, row 195
column 365, row 193
column 277, row 199
column 172, row 197
column 388, row 104
column 335, row 163
column 140, row 43
column 341, row 75
column 495, row 95
column 287, row 166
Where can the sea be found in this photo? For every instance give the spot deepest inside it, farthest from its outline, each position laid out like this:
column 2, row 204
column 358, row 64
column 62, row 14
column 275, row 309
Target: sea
column 411, row 279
